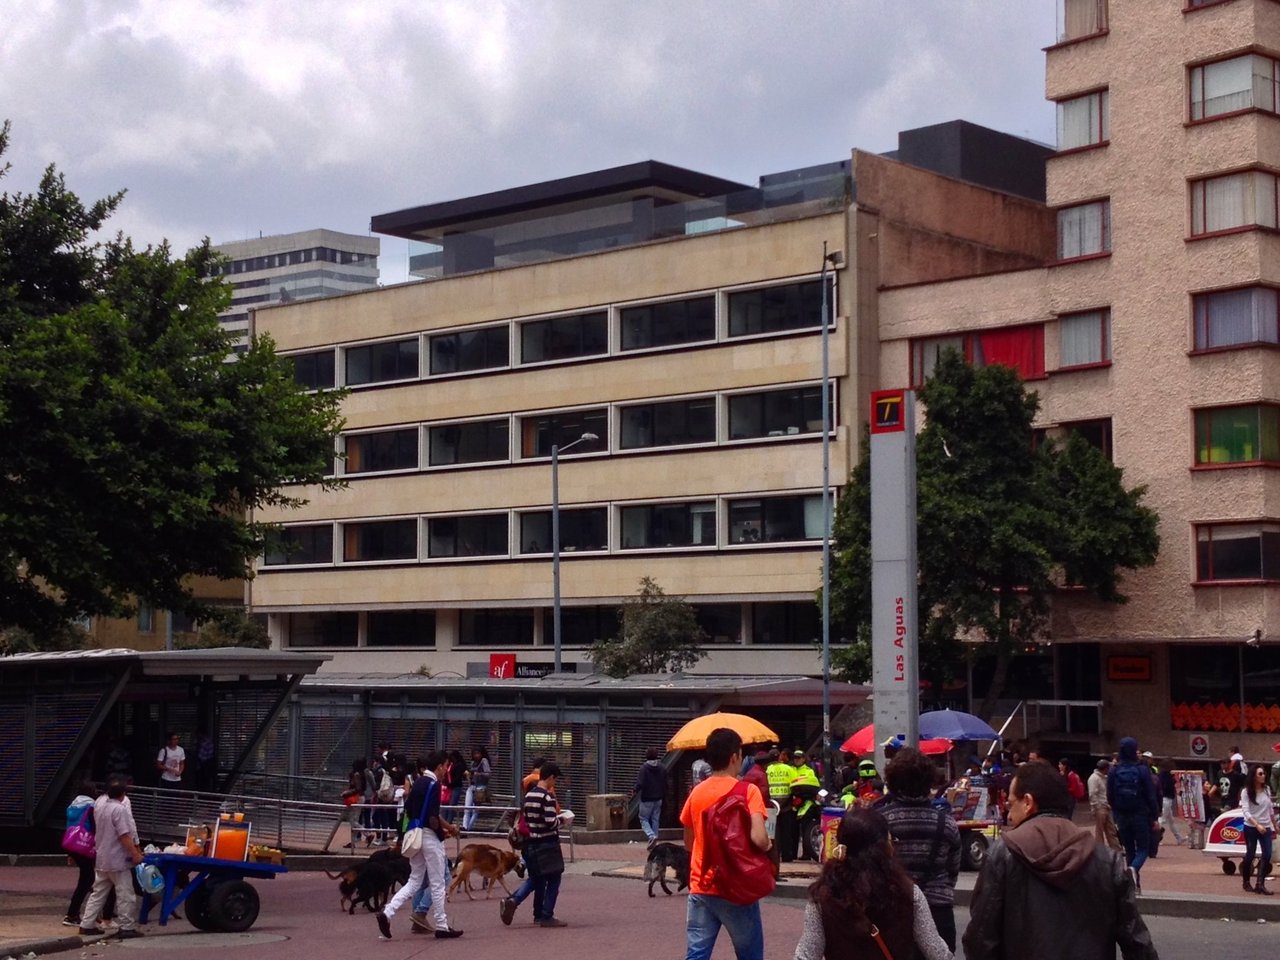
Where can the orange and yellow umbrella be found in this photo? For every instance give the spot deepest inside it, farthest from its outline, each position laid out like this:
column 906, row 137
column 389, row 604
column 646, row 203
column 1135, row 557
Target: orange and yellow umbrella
column 693, row 735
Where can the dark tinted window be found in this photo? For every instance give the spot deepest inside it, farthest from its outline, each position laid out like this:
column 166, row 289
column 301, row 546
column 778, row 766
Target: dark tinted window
column 380, row 540
column 580, row 529
column 668, row 424
column 672, row 322
column 303, row 544
column 471, row 536
column 380, row 362
column 505, row 628
column 324, row 629
column 478, row 442
column 777, row 413
column 470, row 350
column 775, row 519
column 539, row 434
column 314, row 370
column 669, row 525
column 401, row 628
column 563, row 338
column 389, row 450
column 785, row 622
column 790, row 306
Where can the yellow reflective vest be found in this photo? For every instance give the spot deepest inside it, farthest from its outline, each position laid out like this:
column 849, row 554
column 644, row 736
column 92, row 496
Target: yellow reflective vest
column 780, row 775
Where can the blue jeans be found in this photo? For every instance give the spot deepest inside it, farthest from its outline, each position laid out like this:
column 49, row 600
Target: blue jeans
column 1252, row 839
column 707, row 914
column 650, row 815
column 546, row 888
column 1135, row 837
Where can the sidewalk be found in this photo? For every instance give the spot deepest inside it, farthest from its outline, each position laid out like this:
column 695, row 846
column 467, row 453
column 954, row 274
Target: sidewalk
column 33, row 899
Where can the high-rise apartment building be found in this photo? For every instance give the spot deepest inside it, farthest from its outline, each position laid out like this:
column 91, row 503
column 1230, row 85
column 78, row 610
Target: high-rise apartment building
column 673, row 319
column 294, row 266
column 1153, row 333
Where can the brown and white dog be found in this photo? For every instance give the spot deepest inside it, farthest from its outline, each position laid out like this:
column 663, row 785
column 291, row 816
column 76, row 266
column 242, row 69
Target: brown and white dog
column 489, row 862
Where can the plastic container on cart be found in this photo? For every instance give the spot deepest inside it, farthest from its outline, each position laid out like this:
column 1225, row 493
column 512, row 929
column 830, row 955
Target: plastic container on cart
column 230, row 839
column 771, row 818
column 830, row 823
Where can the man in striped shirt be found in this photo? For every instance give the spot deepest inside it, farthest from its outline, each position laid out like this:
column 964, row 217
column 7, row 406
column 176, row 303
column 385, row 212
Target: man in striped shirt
column 542, row 853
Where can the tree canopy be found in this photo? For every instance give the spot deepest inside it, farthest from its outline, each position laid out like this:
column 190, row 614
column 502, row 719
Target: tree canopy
column 1002, row 525
column 658, row 634
column 135, row 452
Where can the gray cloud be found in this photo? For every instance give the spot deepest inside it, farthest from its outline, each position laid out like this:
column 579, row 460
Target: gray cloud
column 232, row 118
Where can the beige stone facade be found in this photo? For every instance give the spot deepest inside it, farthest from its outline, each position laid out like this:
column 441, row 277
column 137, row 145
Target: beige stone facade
column 756, row 584
column 1188, row 619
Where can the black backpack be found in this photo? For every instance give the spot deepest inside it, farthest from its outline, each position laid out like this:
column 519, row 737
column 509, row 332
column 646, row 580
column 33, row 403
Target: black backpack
column 1127, row 787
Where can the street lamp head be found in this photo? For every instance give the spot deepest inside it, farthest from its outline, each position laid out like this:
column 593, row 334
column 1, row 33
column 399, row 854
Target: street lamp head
column 588, row 437
column 835, row 258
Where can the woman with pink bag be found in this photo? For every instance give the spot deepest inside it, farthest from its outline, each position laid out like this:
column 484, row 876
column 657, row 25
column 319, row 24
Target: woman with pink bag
column 80, row 852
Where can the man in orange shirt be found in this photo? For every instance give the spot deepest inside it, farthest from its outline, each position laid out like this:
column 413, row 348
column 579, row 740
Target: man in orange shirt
column 707, row 913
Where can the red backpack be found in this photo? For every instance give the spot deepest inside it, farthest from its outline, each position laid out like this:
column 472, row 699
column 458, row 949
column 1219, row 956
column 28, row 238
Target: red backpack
column 734, row 867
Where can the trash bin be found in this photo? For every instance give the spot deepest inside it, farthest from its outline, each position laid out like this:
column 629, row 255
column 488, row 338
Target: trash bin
column 607, row 811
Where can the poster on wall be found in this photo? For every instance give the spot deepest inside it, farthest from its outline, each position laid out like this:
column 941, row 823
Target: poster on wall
column 1199, row 745
column 1188, row 793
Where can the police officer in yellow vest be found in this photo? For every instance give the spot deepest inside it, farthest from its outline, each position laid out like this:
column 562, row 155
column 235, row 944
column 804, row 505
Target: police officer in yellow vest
column 804, row 790
column 780, row 776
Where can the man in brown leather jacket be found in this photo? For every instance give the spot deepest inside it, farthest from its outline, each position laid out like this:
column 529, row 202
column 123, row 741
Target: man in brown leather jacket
column 1045, row 868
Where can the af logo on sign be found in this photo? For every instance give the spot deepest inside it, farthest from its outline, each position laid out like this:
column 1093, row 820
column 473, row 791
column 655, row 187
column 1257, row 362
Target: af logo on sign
column 887, row 411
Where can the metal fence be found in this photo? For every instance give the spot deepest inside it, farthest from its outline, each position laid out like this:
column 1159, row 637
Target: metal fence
column 304, row 826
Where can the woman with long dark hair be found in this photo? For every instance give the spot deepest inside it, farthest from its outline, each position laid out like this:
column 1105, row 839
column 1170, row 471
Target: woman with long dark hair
column 863, row 906
column 1259, row 827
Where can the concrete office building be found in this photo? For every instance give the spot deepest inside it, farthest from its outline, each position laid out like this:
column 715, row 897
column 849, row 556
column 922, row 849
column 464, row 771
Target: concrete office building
column 675, row 316
column 1153, row 333
column 295, row 266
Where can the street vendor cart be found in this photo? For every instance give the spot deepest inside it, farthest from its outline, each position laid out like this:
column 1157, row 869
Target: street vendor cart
column 977, row 818
column 215, row 891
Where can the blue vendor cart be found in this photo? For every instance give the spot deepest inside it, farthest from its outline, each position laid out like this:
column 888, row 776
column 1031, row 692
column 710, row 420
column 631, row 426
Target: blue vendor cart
column 216, row 892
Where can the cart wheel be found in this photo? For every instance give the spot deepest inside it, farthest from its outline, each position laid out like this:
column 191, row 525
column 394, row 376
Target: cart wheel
column 233, row 906
column 197, row 907
column 1228, row 866
column 973, row 850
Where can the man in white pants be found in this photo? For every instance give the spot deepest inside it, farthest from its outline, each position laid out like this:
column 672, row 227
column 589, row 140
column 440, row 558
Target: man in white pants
column 116, row 839
column 429, row 861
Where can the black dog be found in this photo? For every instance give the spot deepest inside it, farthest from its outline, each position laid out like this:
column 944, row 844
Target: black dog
column 371, row 881
column 662, row 856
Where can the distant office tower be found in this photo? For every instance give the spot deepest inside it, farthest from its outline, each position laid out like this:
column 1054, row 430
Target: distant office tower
column 295, row 266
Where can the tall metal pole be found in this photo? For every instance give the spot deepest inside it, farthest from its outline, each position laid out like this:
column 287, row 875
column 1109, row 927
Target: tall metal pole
column 555, row 540
column 555, row 551
column 826, row 526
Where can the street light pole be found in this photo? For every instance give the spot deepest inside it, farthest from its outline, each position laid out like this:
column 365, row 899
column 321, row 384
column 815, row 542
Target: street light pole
column 834, row 259
column 555, row 539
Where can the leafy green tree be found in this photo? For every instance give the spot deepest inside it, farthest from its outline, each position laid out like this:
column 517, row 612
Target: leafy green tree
column 134, row 452
column 226, row 627
column 658, row 634
column 1001, row 525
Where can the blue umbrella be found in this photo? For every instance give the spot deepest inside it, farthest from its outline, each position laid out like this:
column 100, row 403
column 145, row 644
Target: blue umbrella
column 955, row 725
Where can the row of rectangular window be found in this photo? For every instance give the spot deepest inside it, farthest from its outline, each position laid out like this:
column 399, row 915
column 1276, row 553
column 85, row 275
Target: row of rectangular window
column 770, row 623
column 291, row 258
column 1249, row 81
column 660, row 526
column 793, row 411
column 1232, row 201
column 1084, row 340
column 1221, row 319
column 780, row 308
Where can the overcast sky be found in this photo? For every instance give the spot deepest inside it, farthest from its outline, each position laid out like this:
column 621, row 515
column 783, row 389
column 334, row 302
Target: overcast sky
column 231, row 118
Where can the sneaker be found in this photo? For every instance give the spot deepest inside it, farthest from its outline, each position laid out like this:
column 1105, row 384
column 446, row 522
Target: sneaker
column 653, row 842
column 89, row 931
column 384, row 925
column 507, row 910
column 552, row 922
column 420, row 923
column 70, row 922
column 129, row 934
column 449, row 934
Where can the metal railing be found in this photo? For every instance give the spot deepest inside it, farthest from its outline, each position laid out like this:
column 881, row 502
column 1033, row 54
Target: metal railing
column 302, row 826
